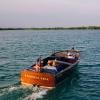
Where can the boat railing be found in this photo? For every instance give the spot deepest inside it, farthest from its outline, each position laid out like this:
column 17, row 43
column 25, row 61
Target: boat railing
column 63, row 62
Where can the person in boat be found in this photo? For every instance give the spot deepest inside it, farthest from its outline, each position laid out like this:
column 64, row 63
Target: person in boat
column 39, row 61
column 38, row 64
column 51, row 65
column 37, row 67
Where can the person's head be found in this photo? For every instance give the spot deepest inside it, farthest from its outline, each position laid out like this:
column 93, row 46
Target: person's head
column 37, row 63
column 50, row 62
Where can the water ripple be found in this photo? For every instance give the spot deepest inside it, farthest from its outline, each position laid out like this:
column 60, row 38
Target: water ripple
column 21, row 48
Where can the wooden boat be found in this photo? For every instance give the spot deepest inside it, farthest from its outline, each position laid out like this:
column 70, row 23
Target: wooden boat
column 52, row 70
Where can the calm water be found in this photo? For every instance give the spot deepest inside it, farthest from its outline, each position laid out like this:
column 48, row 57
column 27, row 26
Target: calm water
column 20, row 48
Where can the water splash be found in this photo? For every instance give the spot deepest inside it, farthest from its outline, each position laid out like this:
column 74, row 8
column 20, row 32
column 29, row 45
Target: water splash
column 37, row 93
column 27, row 93
column 9, row 89
column 13, row 92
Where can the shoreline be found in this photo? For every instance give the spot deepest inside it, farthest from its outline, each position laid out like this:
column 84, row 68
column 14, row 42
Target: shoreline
column 57, row 28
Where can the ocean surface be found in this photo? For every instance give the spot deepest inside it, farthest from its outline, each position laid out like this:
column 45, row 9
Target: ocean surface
column 20, row 48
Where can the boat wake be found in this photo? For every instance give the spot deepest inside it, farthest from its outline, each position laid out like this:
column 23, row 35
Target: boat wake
column 19, row 92
column 37, row 93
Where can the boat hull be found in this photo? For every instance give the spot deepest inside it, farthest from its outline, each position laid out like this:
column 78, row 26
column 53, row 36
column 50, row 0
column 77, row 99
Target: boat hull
column 36, row 78
column 46, row 80
column 62, row 76
column 52, row 70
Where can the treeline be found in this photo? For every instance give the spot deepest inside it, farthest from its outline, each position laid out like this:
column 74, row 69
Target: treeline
column 13, row 28
column 85, row 27
column 57, row 28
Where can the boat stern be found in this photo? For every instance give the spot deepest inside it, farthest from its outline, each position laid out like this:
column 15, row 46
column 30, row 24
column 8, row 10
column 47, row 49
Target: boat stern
column 37, row 78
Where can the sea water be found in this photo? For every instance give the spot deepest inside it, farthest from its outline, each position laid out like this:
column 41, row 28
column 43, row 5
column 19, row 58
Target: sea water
column 20, row 48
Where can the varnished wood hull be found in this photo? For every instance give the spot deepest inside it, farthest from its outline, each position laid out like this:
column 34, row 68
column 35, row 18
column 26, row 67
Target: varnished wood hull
column 36, row 78
column 46, row 80
column 50, row 75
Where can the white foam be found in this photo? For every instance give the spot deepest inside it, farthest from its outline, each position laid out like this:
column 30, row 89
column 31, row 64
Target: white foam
column 36, row 91
column 39, row 93
column 10, row 89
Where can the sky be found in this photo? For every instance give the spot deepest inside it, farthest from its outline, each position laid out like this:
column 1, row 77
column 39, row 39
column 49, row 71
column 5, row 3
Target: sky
column 49, row 13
